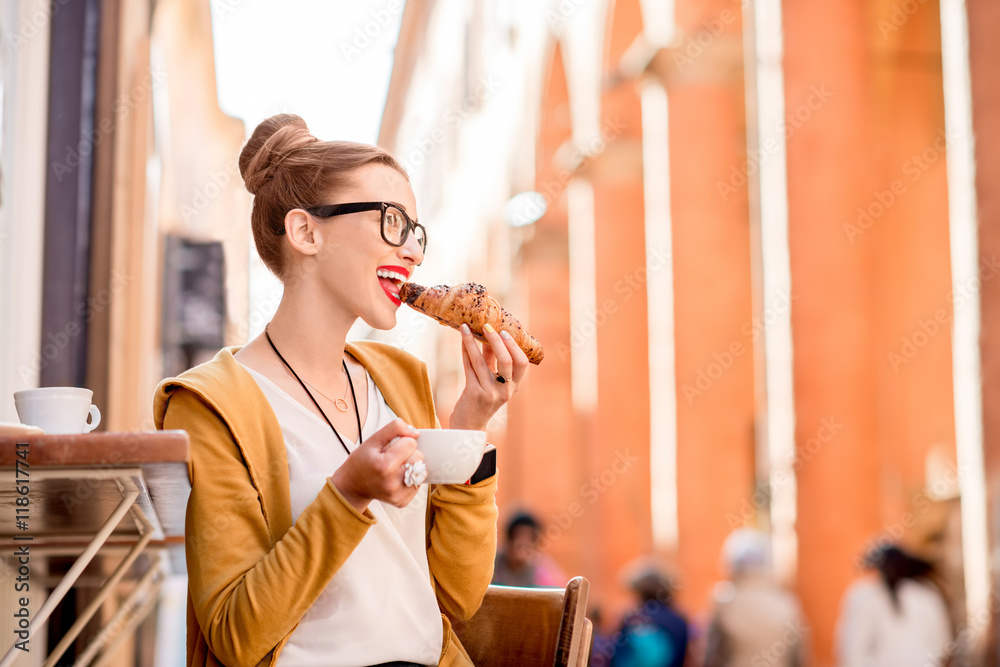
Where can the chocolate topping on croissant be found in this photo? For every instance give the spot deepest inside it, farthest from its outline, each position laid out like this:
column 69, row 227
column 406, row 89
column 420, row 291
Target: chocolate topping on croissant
column 469, row 304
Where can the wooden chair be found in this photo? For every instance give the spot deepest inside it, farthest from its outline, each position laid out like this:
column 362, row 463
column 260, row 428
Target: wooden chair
column 530, row 627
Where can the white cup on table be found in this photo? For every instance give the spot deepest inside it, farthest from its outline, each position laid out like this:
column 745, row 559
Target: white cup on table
column 58, row 410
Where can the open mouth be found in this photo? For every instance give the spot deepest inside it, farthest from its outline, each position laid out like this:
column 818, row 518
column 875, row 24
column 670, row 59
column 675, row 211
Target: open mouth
column 391, row 278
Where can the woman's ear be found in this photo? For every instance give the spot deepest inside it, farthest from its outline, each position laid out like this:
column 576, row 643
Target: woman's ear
column 300, row 228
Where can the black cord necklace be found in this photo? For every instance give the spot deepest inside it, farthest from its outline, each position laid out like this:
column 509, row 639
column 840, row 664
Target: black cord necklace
column 357, row 413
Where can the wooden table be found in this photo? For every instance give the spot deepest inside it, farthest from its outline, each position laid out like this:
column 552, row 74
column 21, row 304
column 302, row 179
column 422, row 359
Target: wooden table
column 88, row 495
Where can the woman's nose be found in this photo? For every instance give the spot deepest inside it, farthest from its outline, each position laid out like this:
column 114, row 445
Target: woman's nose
column 411, row 250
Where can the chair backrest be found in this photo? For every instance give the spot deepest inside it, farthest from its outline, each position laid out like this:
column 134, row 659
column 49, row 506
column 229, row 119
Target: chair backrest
column 530, row 627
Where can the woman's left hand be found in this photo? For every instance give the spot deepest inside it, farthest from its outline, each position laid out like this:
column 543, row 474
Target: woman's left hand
column 484, row 393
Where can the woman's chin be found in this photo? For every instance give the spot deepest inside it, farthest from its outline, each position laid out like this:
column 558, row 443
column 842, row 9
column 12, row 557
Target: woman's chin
column 381, row 321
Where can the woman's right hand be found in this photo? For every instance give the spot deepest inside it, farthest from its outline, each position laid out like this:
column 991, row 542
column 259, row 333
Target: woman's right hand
column 374, row 471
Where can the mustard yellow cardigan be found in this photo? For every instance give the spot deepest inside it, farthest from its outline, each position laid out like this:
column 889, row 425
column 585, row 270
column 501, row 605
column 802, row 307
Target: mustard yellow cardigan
column 252, row 573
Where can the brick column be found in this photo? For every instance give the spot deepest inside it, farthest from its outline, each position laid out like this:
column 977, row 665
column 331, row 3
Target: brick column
column 714, row 333
column 543, row 465
column 868, row 234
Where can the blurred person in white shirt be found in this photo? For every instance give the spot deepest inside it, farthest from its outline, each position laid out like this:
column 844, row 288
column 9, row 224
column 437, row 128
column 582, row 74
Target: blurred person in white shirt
column 895, row 617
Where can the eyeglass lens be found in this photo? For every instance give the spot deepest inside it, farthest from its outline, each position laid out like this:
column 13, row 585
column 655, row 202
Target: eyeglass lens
column 396, row 227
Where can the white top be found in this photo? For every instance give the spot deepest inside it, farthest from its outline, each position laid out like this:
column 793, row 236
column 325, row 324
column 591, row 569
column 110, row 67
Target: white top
column 380, row 606
column 872, row 633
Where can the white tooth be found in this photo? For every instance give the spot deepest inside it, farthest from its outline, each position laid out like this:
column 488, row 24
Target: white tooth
column 391, row 275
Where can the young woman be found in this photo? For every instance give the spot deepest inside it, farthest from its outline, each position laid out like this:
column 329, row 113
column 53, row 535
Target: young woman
column 310, row 539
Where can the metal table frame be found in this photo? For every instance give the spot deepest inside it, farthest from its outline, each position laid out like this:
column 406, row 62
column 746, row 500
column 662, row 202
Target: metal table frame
column 135, row 500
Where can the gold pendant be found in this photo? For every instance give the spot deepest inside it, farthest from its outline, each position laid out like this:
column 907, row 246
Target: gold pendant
column 341, row 404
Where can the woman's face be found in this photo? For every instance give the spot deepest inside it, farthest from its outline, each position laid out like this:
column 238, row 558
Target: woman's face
column 358, row 268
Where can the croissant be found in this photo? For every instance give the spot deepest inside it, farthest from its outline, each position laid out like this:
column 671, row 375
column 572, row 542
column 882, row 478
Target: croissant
column 469, row 304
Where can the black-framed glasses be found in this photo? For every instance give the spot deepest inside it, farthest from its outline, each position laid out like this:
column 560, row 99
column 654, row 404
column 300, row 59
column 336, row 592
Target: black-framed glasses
column 395, row 226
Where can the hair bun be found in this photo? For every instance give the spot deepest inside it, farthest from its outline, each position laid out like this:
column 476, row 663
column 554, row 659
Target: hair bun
column 274, row 140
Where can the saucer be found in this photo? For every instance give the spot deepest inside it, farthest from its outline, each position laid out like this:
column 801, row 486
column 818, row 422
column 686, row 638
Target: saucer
column 14, row 429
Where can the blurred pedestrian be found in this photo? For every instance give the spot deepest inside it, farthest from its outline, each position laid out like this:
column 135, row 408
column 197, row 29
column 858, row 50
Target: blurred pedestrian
column 755, row 621
column 604, row 639
column 519, row 562
column 897, row 618
column 654, row 634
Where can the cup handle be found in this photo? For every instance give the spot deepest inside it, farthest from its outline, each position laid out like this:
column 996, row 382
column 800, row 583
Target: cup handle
column 95, row 419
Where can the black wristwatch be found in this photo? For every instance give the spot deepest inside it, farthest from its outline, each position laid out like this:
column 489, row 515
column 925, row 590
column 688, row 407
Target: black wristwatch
column 487, row 467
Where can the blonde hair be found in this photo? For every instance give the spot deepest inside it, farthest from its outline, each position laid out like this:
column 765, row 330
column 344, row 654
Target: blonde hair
column 284, row 167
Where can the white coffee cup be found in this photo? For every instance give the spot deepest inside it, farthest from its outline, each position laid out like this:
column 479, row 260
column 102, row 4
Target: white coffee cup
column 62, row 410
column 451, row 455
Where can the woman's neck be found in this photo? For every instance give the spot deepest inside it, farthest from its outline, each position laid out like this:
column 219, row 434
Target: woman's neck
column 310, row 337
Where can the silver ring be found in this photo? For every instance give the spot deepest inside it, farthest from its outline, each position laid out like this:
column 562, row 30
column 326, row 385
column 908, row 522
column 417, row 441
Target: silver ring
column 414, row 474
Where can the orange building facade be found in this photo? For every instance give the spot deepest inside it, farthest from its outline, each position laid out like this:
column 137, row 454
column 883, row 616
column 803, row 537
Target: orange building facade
column 746, row 292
